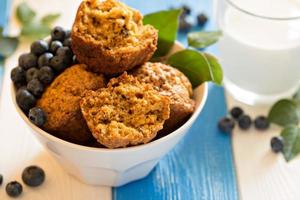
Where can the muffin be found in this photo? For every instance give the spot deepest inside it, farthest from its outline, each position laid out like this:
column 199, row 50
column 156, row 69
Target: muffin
column 125, row 113
column 110, row 37
column 60, row 102
column 172, row 83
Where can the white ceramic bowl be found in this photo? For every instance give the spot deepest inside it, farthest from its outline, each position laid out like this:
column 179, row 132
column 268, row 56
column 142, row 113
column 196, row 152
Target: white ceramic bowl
column 113, row 167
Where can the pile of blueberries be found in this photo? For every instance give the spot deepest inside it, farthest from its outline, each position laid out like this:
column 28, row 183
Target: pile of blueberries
column 244, row 121
column 37, row 69
column 32, row 176
column 185, row 25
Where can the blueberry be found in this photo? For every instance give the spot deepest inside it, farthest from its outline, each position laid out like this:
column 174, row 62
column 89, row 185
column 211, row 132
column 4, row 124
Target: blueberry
column 75, row 61
column 32, row 73
column 17, row 76
column 261, row 123
column 226, row 125
column 202, row 19
column 58, row 64
column 39, row 47
column 184, row 25
column 186, row 10
column 68, row 33
column 244, row 122
column 54, row 45
column 14, row 189
column 25, row 99
column 37, row 116
column 65, row 52
column 236, row 112
column 277, row 144
column 35, row 87
column 33, row 176
column 58, row 33
column 46, row 75
column 44, row 60
column 27, row 61
column 1, row 179
column 67, row 42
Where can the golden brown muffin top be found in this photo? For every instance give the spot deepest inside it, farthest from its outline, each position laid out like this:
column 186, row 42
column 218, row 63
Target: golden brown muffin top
column 111, row 23
column 126, row 113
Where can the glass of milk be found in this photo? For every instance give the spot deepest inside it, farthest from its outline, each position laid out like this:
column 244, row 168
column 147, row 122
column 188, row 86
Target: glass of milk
column 260, row 48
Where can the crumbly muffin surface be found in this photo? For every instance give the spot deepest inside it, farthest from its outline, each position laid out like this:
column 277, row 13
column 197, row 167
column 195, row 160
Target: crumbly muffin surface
column 61, row 99
column 172, row 83
column 126, row 113
column 111, row 23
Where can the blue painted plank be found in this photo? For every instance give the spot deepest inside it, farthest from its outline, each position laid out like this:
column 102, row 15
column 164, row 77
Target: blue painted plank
column 201, row 166
column 4, row 15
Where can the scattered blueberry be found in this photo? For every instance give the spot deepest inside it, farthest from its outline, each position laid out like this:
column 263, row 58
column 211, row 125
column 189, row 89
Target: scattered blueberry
column 25, row 99
column 1, row 179
column 37, row 116
column 35, row 87
column 27, row 61
column 58, row 64
column 277, row 144
column 44, row 60
column 46, row 75
column 58, row 33
column 54, row 45
column 184, row 25
column 67, row 42
column 226, row 124
column 202, row 19
column 17, row 75
column 236, row 112
column 261, row 123
column 68, row 33
column 33, row 176
column 14, row 189
column 39, row 47
column 186, row 10
column 31, row 74
column 244, row 122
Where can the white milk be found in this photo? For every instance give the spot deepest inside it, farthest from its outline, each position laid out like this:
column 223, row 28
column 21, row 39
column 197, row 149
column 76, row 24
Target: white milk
column 261, row 57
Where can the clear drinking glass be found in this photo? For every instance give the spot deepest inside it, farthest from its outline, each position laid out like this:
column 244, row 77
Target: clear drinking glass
column 260, row 48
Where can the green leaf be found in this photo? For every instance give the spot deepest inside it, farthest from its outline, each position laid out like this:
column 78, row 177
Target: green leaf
column 297, row 95
column 197, row 66
column 49, row 19
column 8, row 45
column 203, row 39
column 166, row 22
column 35, row 30
column 24, row 13
column 285, row 112
column 291, row 138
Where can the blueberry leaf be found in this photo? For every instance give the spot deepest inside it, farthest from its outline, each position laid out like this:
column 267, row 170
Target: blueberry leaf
column 35, row 30
column 199, row 67
column 8, row 45
column 291, row 138
column 50, row 18
column 285, row 112
column 166, row 22
column 203, row 39
column 24, row 13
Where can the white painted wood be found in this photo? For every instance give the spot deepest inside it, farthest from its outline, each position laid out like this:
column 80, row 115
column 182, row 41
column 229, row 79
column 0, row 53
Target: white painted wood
column 261, row 174
column 18, row 148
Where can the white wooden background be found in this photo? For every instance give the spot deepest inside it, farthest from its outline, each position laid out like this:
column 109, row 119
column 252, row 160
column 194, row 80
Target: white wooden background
column 261, row 174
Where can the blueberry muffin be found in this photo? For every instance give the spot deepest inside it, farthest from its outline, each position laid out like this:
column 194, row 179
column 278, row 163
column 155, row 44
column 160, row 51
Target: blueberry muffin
column 172, row 83
column 125, row 113
column 110, row 37
column 60, row 102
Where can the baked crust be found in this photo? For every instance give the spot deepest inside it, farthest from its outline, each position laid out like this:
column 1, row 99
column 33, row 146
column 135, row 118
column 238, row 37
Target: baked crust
column 110, row 37
column 61, row 99
column 172, row 83
column 126, row 113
